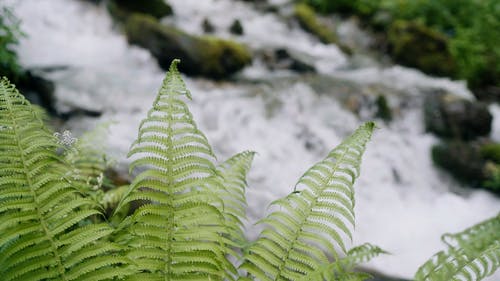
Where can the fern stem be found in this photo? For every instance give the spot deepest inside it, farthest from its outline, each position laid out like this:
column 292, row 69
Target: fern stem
column 171, row 215
column 29, row 180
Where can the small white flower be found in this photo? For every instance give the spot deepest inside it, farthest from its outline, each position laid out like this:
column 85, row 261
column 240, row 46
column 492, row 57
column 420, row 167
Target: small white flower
column 66, row 138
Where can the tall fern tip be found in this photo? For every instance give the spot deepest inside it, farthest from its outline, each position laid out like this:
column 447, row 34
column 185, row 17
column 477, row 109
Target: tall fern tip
column 173, row 65
column 371, row 125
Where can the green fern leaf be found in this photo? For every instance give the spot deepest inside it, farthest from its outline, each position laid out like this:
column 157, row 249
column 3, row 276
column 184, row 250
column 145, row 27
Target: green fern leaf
column 341, row 269
column 472, row 255
column 180, row 234
column 233, row 173
column 315, row 217
column 40, row 210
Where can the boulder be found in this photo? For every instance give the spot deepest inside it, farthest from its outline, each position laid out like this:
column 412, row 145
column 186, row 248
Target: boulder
column 281, row 59
column 37, row 90
column 384, row 112
column 449, row 116
column 415, row 45
column 205, row 56
column 236, row 28
column 122, row 9
column 487, row 93
column 462, row 160
column 471, row 162
column 207, row 26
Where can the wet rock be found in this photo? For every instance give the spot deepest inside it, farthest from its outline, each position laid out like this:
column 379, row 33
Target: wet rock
column 383, row 110
column 415, row 45
column 491, row 153
column 449, row 116
column 281, row 59
column 462, row 160
column 37, row 90
column 476, row 163
column 79, row 112
column 93, row 1
column 117, row 178
column 489, row 93
column 207, row 26
column 236, row 28
column 205, row 56
column 122, row 9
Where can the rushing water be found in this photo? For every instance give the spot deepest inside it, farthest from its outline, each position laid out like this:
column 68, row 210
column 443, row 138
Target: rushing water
column 403, row 204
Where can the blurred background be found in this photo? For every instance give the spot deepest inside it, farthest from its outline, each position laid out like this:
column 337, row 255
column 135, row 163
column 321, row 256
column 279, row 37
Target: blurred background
column 289, row 80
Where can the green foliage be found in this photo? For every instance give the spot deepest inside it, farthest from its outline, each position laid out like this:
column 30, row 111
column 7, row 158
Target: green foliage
column 9, row 37
column 473, row 27
column 361, row 7
column 491, row 153
column 189, row 212
column 472, row 254
column 187, row 220
column 45, row 227
column 181, row 233
column 475, row 45
column 416, row 45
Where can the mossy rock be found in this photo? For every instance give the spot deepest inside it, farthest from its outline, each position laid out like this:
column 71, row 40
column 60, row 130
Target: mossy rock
column 470, row 162
column 307, row 19
column 462, row 160
column 449, row 116
column 206, row 56
column 384, row 112
column 122, row 9
column 491, row 151
column 415, row 45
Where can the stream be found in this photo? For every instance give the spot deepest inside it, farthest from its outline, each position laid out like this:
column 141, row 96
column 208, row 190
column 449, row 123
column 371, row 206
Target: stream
column 403, row 203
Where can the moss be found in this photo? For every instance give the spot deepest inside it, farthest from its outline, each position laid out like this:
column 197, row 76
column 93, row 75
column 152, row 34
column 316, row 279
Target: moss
column 415, row 45
column 491, row 151
column 493, row 173
column 222, row 57
column 307, row 19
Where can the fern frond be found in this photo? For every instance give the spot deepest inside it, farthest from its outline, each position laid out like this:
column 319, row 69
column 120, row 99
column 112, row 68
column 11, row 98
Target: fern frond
column 313, row 218
column 232, row 192
column 180, row 234
column 472, row 255
column 40, row 209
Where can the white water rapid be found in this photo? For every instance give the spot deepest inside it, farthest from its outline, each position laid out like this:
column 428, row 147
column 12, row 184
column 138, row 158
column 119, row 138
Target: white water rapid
column 403, row 203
